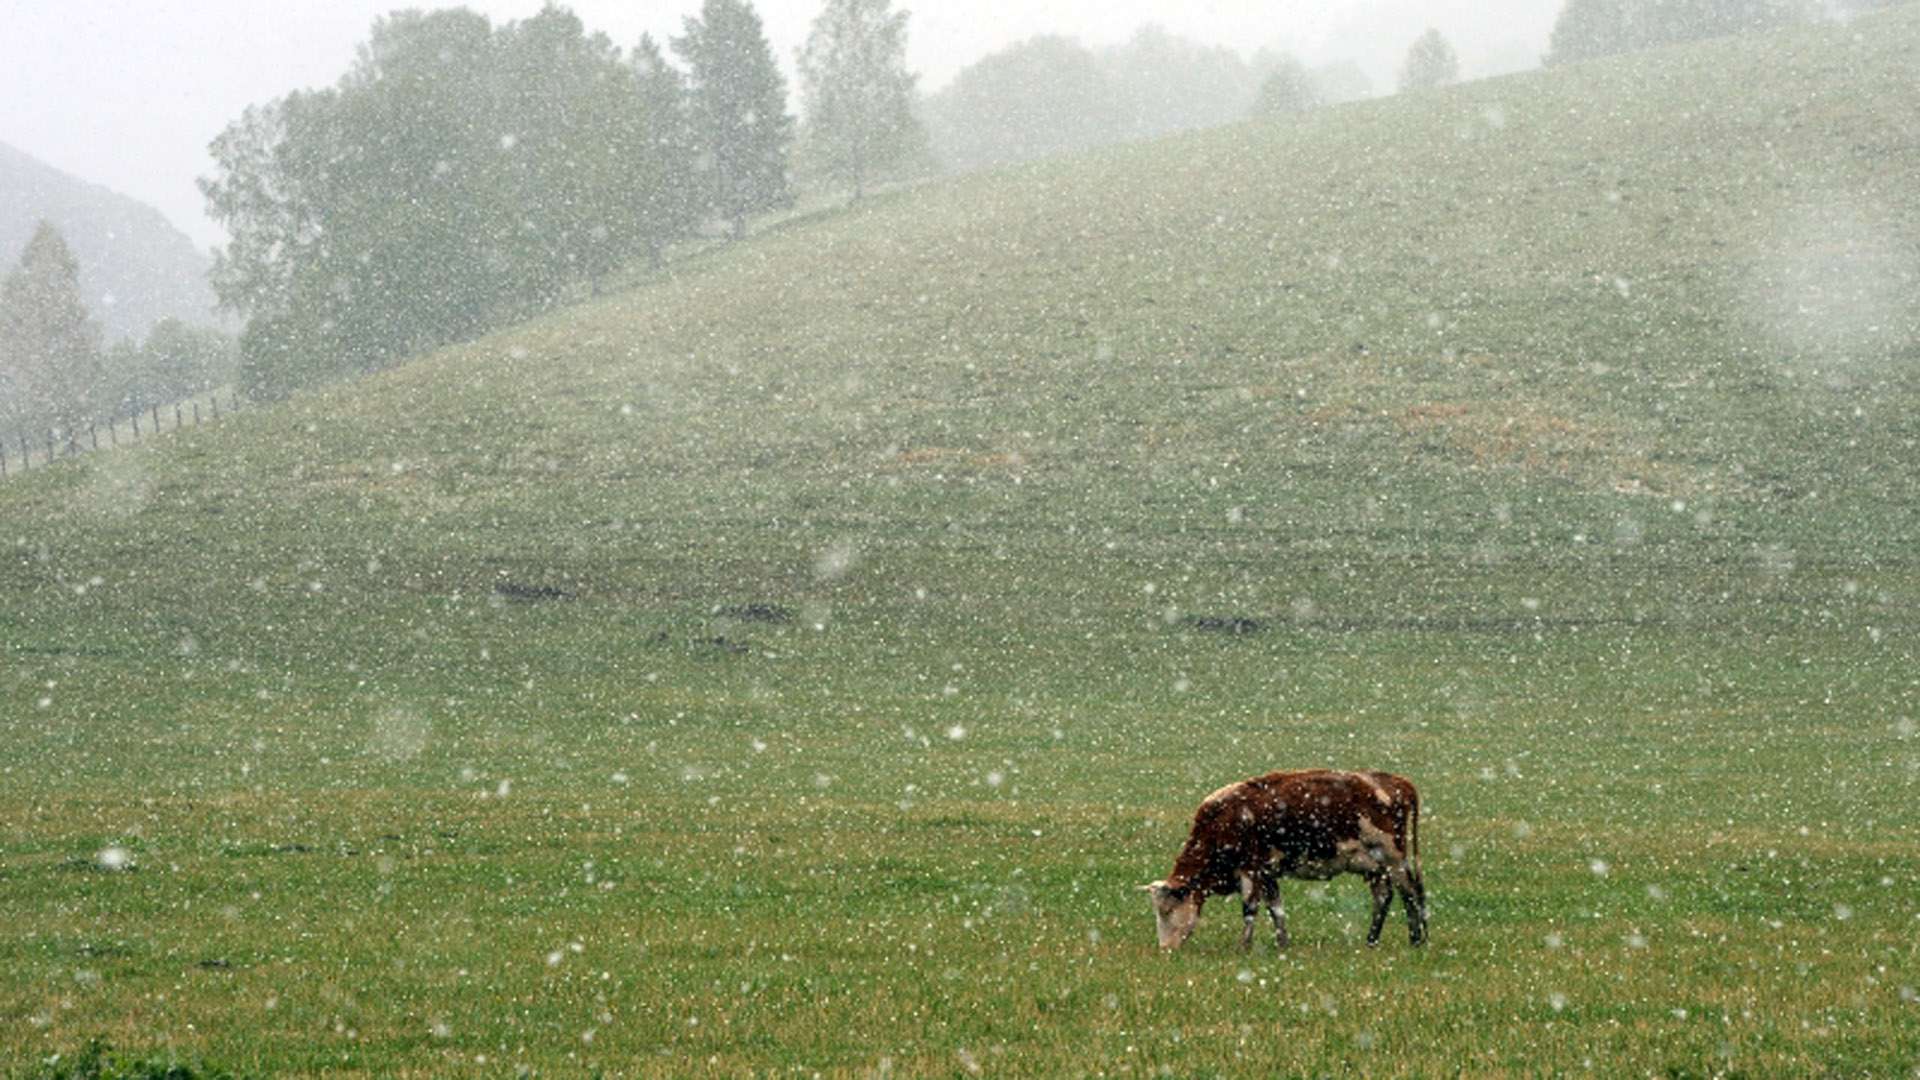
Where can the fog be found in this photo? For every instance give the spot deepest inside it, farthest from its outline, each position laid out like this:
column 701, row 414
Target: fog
column 129, row 95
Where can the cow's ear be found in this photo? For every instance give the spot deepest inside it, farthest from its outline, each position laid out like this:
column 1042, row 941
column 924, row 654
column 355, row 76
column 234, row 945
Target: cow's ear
column 1172, row 893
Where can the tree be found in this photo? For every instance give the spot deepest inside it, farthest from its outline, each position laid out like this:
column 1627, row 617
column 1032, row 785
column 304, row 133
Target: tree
column 1666, row 22
column 51, row 349
column 1169, row 83
column 179, row 360
column 370, row 219
column 1288, row 89
column 1587, row 29
column 857, row 92
column 1040, row 97
column 667, row 198
column 456, row 176
column 1430, row 62
column 738, row 107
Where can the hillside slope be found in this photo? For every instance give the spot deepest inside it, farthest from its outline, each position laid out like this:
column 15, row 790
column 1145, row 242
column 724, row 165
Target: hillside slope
column 135, row 267
column 1645, row 314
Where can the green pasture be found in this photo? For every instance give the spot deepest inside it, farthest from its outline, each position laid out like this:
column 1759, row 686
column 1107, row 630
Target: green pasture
column 793, row 664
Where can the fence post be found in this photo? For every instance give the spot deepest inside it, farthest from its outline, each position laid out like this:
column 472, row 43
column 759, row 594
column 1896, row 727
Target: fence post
column 3, row 460
column 216, row 405
column 196, row 414
column 94, row 430
column 156, row 419
column 136, row 423
column 176, row 416
column 26, row 455
column 113, row 430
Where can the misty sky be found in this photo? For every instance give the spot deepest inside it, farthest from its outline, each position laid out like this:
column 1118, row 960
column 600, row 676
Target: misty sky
column 127, row 93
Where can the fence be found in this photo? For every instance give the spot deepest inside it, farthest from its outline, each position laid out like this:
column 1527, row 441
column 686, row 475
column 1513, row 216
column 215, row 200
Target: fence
column 21, row 452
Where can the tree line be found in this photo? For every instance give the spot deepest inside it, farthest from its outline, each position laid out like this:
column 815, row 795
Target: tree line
column 1052, row 94
column 1588, row 29
column 58, row 378
column 463, row 174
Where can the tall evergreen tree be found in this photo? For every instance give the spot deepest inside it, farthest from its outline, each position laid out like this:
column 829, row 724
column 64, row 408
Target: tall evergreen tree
column 51, row 348
column 857, row 91
column 1430, row 62
column 667, row 197
column 738, row 107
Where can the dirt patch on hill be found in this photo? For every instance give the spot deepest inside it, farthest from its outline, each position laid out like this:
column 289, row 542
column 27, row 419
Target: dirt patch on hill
column 1523, row 436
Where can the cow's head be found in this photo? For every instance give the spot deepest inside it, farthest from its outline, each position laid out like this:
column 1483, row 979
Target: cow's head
column 1176, row 908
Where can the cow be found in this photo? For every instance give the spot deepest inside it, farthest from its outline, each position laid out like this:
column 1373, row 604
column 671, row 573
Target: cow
column 1311, row 824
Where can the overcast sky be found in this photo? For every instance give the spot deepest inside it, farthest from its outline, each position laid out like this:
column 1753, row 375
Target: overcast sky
column 127, row 93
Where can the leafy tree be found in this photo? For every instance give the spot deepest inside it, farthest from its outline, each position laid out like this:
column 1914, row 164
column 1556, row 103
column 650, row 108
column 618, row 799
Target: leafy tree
column 738, row 106
column 1289, row 88
column 1169, row 83
column 591, row 140
column 1044, row 96
column 1341, row 81
column 410, row 162
column 1665, row 22
column 1430, row 62
column 177, row 360
column 51, row 348
column 858, row 93
column 458, row 175
column 1587, row 29
column 367, row 220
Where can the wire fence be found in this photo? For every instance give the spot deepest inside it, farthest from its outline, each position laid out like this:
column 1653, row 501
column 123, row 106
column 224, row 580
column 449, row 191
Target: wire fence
column 21, row 452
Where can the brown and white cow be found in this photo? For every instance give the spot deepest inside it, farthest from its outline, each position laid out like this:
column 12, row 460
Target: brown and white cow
column 1311, row 824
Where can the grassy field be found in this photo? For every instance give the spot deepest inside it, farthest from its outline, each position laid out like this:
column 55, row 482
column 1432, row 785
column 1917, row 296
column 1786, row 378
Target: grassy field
column 793, row 666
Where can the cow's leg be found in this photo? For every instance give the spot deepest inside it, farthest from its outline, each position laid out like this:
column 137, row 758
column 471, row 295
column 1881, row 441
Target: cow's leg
column 1382, row 890
column 1249, row 908
column 1413, row 897
column 1419, row 894
column 1270, row 887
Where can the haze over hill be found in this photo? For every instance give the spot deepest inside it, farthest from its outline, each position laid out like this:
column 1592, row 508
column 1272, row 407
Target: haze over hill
column 136, row 268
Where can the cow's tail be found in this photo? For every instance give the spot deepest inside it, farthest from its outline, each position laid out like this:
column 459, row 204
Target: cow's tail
column 1413, row 848
column 1413, row 865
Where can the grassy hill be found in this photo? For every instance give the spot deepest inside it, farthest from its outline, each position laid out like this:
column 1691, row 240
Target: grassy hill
column 796, row 660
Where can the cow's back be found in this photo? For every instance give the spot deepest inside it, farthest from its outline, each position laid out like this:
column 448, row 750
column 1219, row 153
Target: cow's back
column 1292, row 818
column 1307, row 813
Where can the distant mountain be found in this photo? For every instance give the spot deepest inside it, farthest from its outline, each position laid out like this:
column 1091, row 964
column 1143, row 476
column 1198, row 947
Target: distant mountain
column 135, row 267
